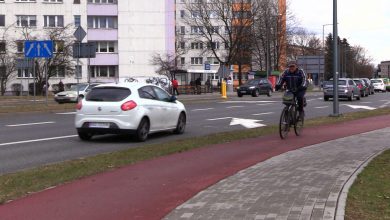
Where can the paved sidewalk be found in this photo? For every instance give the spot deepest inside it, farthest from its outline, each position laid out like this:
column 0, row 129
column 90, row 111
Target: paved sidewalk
column 301, row 184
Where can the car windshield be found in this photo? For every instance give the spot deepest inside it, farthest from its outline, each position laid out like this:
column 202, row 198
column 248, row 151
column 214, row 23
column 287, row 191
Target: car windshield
column 108, row 94
column 253, row 82
column 376, row 81
column 330, row 83
column 80, row 86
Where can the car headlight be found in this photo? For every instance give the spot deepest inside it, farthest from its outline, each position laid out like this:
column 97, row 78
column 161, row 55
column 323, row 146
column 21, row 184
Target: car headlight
column 71, row 95
column 346, row 90
column 238, row 87
column 252, row 87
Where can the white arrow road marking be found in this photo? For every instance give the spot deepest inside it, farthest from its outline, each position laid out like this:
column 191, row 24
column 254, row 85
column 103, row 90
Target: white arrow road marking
column 216, row 119
column 265, row 113
column 247, row 123
column 38, row 123
column 365, row 102
column 385, row 105
column 47, row 49
column 30, row 49
column 236, row 102
column 360, row 107
column 37, row 140
column 201, row 109
column 319, row 107
column 39, row 49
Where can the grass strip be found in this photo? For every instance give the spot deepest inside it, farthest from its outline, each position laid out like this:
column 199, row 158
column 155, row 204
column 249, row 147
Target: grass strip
column 369, row 196
column 22, row 183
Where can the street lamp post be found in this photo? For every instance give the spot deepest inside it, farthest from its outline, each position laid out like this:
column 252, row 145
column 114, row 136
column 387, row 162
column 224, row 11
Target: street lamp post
column 323, row 47
column 335, row 63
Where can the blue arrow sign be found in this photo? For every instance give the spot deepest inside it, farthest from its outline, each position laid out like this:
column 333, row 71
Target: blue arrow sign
column 38, row 49
column 207, row 66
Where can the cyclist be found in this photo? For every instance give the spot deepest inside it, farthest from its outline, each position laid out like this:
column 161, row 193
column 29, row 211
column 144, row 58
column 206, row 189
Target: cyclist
column 295, row 80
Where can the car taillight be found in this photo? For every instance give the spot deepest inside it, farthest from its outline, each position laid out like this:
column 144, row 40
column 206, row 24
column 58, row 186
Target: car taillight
column 79, row 105
column 128, row 105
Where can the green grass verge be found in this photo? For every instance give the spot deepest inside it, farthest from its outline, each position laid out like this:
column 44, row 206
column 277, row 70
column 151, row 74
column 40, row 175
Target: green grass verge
column 369, row 196
column 37, row 107
column 19, row 184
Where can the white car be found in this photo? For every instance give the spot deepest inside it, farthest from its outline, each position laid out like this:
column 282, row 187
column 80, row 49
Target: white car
column 379, row 85
column 71, row 94
column 129, row 108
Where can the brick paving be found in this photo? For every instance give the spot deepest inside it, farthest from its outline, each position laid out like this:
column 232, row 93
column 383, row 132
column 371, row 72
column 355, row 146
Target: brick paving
column 301, row 184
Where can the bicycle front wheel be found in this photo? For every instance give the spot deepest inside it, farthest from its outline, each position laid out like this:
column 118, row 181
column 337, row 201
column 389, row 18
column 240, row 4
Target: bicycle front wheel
column 298, row 126
column 284, row 124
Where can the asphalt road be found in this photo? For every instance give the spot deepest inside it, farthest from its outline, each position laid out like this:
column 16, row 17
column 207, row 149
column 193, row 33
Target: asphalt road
column 32, row 139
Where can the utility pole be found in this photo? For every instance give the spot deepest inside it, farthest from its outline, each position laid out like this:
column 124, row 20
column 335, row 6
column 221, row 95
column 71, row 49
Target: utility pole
column 335, row 63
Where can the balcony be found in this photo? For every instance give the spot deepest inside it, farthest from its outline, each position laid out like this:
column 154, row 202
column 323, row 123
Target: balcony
column 102, row 34
column 105, row 59
column 102, row 10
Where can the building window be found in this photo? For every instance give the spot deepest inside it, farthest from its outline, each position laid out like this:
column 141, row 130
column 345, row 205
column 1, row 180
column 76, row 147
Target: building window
column 25, row 0
column 77, row 20
column 76, row 2
column 103, row 71
column 53, row 20
column 58, row 46
column 2, row 20
column 106, row 47
column 182, row 30
column 59, row 72
column 2, row 46
column 103, row 22
column 182, row 60
column 213, row 60
column 26, row 20
column 3, row 72
column 196, row 60
column 182, row 45
column 213, row 45
column 19, row 46
column 182, row 13
column 197, row 46
column 196, row 30
column 102, row 2
column 24, row 73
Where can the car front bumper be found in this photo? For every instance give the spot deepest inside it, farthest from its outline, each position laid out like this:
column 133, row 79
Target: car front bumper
column 65, row 99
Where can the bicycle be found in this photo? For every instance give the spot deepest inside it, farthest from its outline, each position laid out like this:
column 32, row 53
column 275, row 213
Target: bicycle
column 290, row 116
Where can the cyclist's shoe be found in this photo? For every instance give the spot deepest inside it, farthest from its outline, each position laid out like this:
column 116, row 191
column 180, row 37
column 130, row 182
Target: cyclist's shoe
column 301, row 114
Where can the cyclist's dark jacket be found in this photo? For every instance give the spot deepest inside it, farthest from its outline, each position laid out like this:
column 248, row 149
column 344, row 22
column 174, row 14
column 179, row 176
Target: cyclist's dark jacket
column 294, row 81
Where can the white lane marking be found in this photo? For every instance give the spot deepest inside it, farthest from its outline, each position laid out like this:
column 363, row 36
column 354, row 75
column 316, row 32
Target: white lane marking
column 365, row 102
column 319, row 98
column 217, row 119
column 38, row 123
column 264, row 104
column 384, row 100
column 360, row 107
column 319, row 107
column 265, row 113
column 235, row 107
column 66, row 113
column 37, row 140
column 310, row 100
column 247, row 123
column 232, row 102
column 202, row 109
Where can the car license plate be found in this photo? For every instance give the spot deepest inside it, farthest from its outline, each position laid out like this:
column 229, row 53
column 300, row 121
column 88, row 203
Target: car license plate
column 99, row 125
column 243, row 92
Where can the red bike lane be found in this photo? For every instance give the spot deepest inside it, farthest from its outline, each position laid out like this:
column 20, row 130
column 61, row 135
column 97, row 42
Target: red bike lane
column 151, row 189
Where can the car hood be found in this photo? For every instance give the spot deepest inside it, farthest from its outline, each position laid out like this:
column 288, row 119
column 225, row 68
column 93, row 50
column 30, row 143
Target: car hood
column 67, row 93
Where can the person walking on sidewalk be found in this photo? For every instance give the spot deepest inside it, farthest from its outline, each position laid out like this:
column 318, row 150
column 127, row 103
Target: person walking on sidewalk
column 175, row 86
column 296, row 82
column 198, row 84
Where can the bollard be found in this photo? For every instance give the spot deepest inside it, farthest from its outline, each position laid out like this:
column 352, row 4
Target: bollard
column 223, row 85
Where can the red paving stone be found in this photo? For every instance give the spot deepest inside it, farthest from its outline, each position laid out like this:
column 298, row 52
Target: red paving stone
column 151, row 189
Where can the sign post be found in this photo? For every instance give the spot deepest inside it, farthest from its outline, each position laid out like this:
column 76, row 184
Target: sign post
column 79, row 34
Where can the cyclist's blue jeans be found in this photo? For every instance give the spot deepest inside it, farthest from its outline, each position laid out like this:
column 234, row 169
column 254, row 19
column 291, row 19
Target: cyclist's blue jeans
column 300, row 97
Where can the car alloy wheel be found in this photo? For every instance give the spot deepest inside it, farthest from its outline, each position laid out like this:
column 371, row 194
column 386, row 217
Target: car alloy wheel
column 181, row 124
column 143, row 130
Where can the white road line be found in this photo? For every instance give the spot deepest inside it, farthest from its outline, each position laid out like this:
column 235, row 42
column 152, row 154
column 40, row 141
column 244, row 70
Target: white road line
column 202, row 109
column 216, row 119
column 66, row 113
column 37, row 140
column 265, row 113
column 319, row 107
column 232, row 102
column 384, row 100
column 319, row 98
column 365, row 102
column 235, row 107
column 38, row 123
column 264, row 104
column 310, row 100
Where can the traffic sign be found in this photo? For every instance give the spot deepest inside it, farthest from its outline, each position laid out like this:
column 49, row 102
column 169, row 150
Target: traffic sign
column 80, row 34
column 38, row 49
column 84, row 50
column 207, row 66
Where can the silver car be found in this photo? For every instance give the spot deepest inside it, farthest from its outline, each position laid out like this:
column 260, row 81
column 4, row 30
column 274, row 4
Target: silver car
column 71, row 95
column 347, row 88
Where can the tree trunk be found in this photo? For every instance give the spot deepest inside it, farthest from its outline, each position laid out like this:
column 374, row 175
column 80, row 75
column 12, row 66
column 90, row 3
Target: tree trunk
column 239, row 73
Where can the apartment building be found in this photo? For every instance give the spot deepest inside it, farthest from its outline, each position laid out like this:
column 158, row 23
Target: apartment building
column 127, row 34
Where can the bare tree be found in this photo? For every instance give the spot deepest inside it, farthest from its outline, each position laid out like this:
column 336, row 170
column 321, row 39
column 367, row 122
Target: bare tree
column 223, row 26
column 62, row 63
column 303, row 43
column 166, row 63
column 7, row 61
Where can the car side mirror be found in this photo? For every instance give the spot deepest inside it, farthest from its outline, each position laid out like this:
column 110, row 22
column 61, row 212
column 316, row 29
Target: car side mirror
column 173, row 99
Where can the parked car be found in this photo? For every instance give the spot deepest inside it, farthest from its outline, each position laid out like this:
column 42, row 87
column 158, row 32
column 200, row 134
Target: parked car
column 70, row 95
column 347, row 88
column 371, row 90
column 379, row 85
column 129, row 108
column 255, row 87
column 362, row 87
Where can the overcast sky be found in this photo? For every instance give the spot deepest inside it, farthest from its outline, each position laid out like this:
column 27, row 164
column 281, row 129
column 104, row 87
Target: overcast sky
column 362, row 22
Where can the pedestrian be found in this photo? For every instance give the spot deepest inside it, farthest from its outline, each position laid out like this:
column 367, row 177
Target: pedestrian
column 192, row 86
column 198, row 84
column 61, row 86
column 175, row 86
column 208, row 85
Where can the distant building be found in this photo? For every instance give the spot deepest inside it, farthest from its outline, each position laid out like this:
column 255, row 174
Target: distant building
column 314, row 67
column 385, row 69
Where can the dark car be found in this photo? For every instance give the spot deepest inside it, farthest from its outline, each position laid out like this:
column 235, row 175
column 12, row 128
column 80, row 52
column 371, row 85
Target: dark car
column 371, row 88
column 362, row 87
column 366, row 87
column 255, row 87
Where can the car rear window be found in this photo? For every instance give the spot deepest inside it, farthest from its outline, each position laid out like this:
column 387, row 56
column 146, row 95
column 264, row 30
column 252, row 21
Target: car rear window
column 108, row 94
column 376, row 81
column 330, row 83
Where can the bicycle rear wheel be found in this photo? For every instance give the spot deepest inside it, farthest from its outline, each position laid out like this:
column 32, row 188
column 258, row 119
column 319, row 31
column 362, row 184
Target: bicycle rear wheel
column 298, row 125
column 284, row 124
